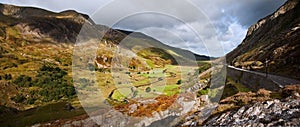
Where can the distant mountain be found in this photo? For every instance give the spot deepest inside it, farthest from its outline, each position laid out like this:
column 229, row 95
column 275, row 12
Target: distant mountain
column 275, row 39
column 178, row 50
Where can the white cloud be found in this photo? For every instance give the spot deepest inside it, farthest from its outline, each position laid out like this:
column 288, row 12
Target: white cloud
column 233, row 36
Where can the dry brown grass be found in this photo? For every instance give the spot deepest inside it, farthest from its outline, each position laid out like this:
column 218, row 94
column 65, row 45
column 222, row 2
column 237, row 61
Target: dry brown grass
column 289, row 90
column 163, row 103
column 264, row 93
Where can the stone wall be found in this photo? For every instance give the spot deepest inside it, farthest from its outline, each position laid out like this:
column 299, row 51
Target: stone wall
column 251, row 80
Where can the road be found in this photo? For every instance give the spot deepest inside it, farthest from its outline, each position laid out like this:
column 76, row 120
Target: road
column 279, row 80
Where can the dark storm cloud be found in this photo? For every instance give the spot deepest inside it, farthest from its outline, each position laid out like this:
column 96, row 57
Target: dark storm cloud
column 246, row 12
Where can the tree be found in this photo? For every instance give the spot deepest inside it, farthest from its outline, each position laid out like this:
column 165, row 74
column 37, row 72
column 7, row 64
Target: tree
column 148, row 89
column 179, row 82
column 54, row 85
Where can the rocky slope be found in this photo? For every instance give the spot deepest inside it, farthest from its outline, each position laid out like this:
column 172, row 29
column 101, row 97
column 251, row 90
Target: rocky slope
column 275, row 38
column 284, row 112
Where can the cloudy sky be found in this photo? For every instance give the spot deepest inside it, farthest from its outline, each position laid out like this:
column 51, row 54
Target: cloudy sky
column 210, row 27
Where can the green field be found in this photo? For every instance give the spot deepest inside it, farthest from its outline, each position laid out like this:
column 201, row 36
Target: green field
column 143, row 84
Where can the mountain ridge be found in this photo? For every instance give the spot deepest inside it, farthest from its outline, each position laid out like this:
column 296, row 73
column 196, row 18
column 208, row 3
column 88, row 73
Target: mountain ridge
column 28, row 13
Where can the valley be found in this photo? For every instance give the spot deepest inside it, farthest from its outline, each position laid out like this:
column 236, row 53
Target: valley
column 63, row 69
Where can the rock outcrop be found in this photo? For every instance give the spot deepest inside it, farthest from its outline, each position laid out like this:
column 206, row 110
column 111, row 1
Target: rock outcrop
column 269, row 113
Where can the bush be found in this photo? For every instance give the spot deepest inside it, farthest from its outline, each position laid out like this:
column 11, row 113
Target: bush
column 148, row 89
column 179, row 82
column 30, row 101
column 19, row 98
column 204, row 91
column 91, row 67
column 23, row 81
column 135, row 93
column 7, row 77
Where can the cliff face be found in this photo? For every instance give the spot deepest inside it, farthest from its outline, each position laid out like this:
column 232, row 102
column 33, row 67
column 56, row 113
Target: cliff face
column 275, row 38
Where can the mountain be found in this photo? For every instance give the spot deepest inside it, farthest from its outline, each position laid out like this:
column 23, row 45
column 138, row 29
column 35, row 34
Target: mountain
column 177, row 50
column 276, row 39
column 38, row 24
column 36, row 53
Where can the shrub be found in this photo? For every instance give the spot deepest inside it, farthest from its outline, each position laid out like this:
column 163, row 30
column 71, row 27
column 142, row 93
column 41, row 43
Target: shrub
column 23, row 81
column 30, row 101
column 19, row 98
column 179, row 82
column 7, row 77
column 135, row 93
column 91, row 67
column 148, row 89
column 204, row 91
